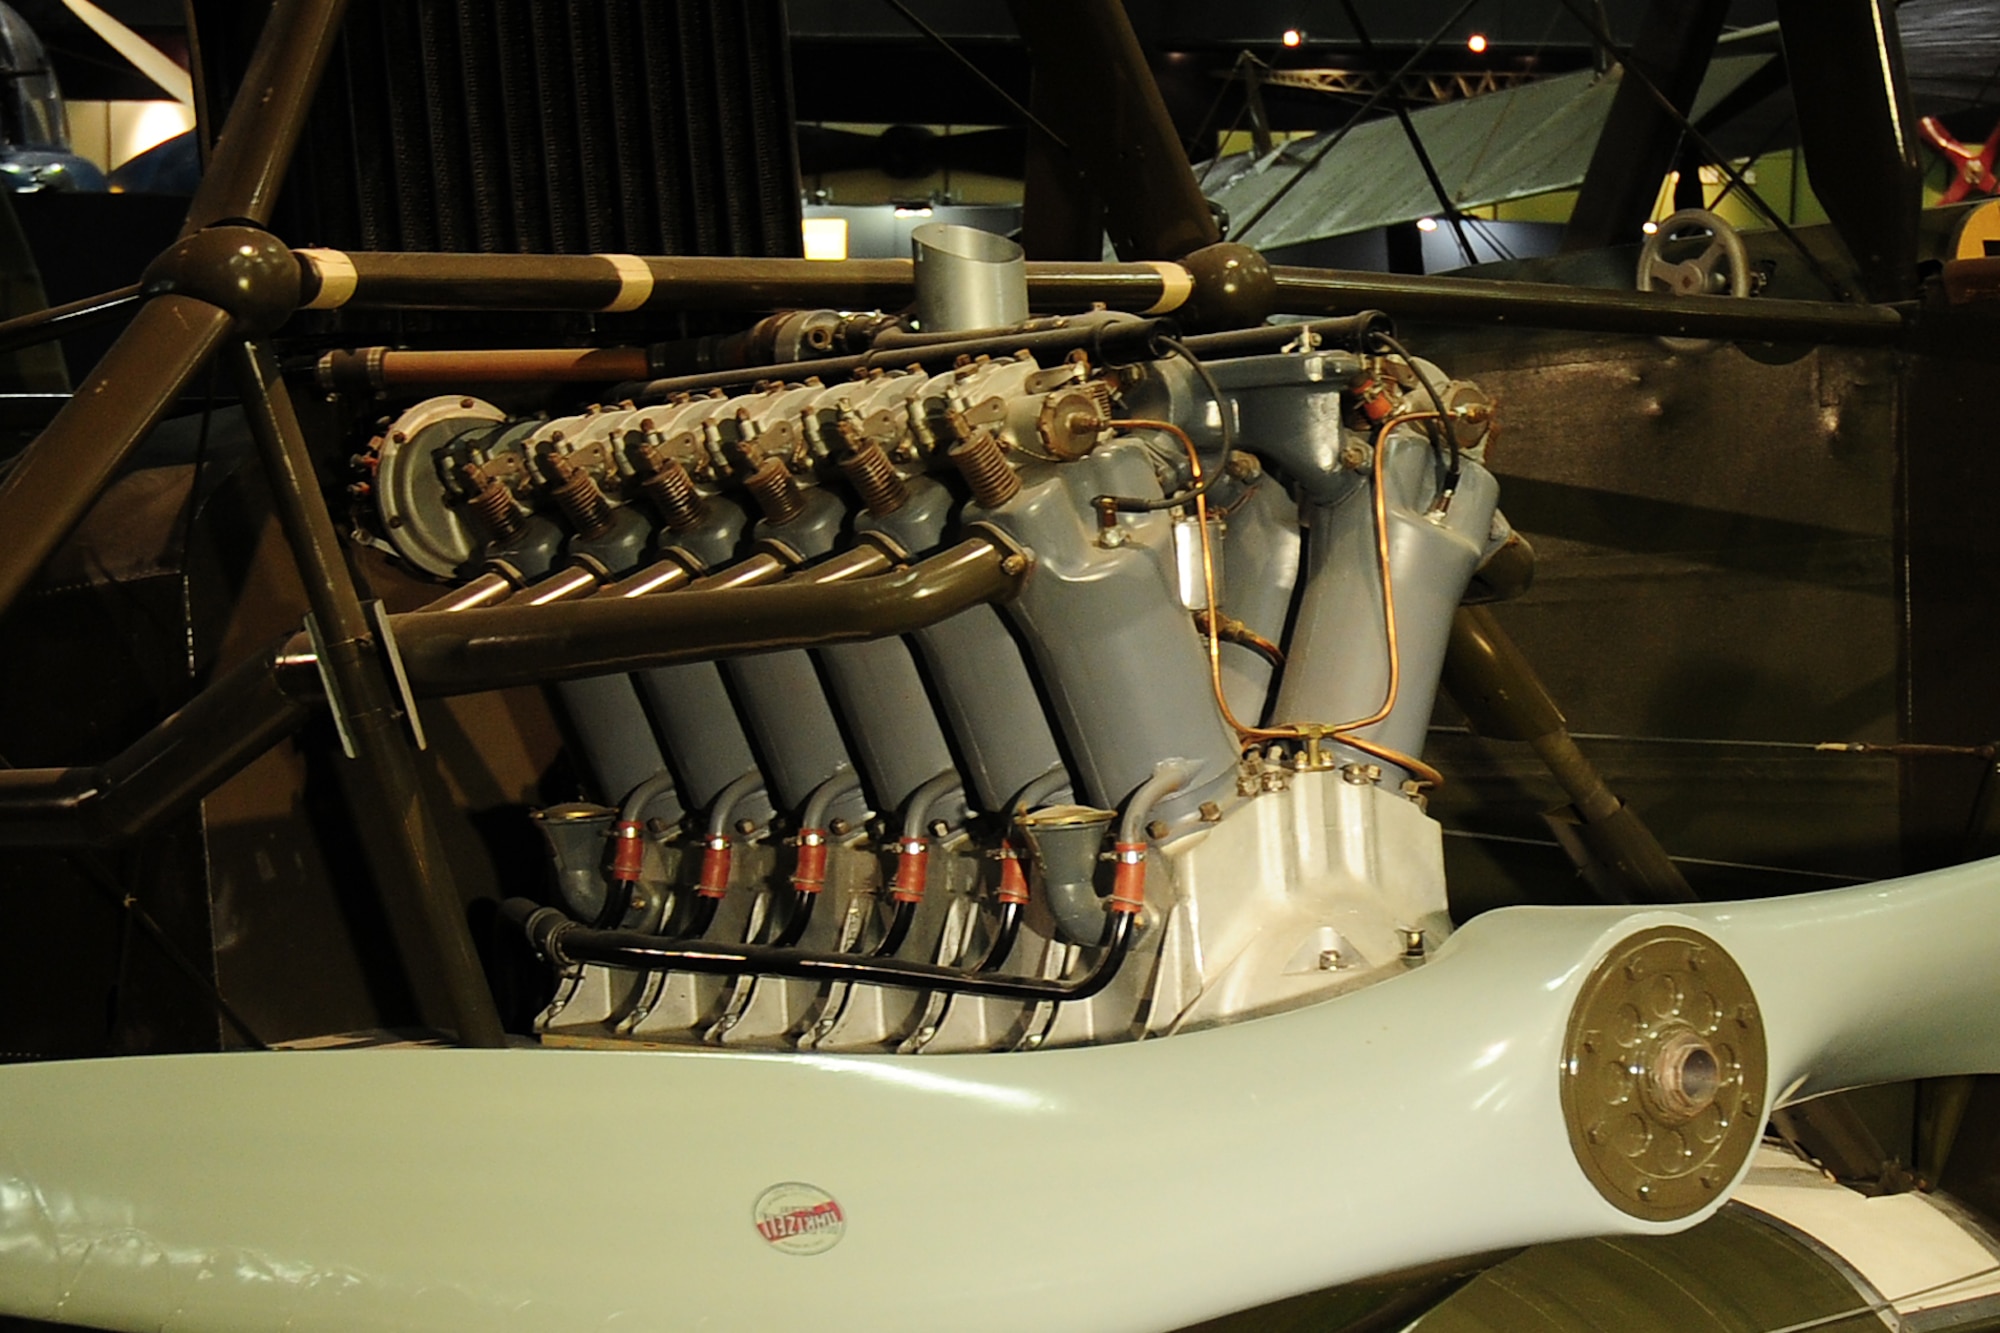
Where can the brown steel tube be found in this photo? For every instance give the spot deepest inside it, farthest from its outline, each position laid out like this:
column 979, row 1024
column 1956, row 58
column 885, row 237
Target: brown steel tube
column 1312, row 291
column 1125, row 340
column 597, row 282
column 1502, row 697
column 62, row 320
column 207, row 741
column 265, row 698
column 375, row 368
column 399, row 836
column 241, row 178
column 53, row 484
column 202, row 745
column 329, row 279
column 463, row 652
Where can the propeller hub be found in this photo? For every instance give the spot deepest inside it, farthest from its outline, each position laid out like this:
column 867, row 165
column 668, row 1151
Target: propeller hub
column 1663, row 1073
column 1685, row 1076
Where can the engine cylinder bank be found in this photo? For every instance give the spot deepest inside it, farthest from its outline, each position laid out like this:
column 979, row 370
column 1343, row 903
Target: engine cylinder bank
column 879, row 845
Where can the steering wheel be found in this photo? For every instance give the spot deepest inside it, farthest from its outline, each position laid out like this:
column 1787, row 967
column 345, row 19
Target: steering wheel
column 1722, row 267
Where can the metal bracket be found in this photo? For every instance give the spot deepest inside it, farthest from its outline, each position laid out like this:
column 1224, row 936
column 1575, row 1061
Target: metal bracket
column 385, row 635
column 334, row 703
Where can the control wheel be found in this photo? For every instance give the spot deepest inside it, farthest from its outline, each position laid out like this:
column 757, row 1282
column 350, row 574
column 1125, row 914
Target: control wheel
column 1720, row 268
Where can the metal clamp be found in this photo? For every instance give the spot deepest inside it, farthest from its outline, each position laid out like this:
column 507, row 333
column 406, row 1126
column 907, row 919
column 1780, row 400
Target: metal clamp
column 334, row 703
column 385, row 636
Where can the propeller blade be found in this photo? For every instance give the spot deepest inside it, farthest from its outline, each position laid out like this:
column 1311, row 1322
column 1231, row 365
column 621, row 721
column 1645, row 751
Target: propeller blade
column 1143, row 1185
column 1094, row 88
column 148, row 59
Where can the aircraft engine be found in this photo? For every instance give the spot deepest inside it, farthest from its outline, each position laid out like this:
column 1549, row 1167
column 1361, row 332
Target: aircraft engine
column 1174, row 782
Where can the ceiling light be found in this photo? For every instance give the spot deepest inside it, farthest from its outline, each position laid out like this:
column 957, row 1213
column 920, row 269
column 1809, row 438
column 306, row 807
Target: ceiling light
column 1293, row 37
column 1427, row 224
column 1476, row 43
column 1649, row 227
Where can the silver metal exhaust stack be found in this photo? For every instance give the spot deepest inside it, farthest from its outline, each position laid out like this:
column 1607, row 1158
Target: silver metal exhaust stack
column 967, row 278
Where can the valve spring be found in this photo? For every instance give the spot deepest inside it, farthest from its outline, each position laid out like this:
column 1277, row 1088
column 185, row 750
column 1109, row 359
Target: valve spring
column 874, row 479
column 578, row 497
column 979, row 460
column 492, row 505
column 776, row 492
column 672, row 492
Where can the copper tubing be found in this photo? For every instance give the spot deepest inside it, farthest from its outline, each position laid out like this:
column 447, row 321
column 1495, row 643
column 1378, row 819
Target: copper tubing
column 380, row 368
column 985, row 469
column 1236, row 632
column 1307, row 731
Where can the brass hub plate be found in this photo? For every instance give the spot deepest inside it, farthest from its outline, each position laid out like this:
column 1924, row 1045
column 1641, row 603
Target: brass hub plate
column 1663, row 1073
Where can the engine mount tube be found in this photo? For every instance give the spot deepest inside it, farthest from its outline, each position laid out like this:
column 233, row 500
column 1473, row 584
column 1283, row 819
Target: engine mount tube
column 488, row 648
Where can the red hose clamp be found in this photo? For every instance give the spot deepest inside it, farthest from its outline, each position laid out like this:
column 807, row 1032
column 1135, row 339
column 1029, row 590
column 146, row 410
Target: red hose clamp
column 913, row 859
column 1371, row 395
column 810, row 875
column 714, row 881
column 630, row 856
column 1013, row 882
column 1128, row 884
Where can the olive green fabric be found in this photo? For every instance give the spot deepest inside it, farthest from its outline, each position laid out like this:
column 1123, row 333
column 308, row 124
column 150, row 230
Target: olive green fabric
column 1735, row 1273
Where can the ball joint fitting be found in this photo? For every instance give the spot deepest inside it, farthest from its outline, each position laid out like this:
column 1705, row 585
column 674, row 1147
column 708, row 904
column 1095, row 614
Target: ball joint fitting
column 240, row 269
